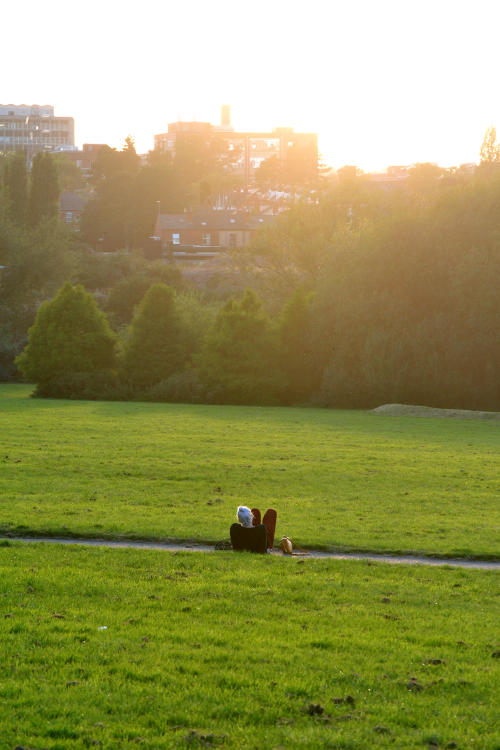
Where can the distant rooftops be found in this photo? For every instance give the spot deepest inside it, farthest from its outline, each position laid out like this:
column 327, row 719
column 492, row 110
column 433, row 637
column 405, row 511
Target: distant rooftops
column 27, row 110
column 214, row 220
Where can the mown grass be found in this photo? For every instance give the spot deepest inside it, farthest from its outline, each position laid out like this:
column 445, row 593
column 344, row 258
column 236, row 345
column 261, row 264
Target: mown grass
column 129, row 648
column 338, row 479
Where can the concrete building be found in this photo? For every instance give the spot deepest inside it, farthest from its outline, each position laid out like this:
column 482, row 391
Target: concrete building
column 33, row 128
column 250, row 149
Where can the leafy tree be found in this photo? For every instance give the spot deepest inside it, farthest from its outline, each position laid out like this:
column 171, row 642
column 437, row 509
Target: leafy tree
column 98, row 272
column 16, row 184
column 36, row 262
column 129, row 149
column 69, row 174
column 128, row 292
column 292, row 252
column 423, row 181
column 108, row 219
column 197, row 315
column 156, row 188
column 270, row 173
column 237, row 362
column 44, row 189
column 70, row 335
column 155, row 347
column 490, row 149
column 412, row 309
column 203, row 166
column 349, row 175
column 128, row 196
column 296, row 347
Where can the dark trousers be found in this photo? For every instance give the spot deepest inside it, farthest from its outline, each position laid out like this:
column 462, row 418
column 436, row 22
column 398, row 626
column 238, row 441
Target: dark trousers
column 249, row 540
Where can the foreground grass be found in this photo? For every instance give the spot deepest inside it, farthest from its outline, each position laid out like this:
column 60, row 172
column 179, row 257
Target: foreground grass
column 128, row 648
column 338, row 479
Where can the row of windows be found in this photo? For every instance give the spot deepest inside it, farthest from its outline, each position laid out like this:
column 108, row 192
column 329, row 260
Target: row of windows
column 29, row 132
column 41, row 141
column 40, row 125
column 206, row 239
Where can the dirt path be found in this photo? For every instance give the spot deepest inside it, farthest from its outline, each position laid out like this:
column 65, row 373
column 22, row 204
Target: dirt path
column 409, row 410
column 193, row 547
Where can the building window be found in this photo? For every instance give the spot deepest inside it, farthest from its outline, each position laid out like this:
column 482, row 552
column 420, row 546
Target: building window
column 176, row 238
column 206, row 238
column 68, row 218
column 233, row 239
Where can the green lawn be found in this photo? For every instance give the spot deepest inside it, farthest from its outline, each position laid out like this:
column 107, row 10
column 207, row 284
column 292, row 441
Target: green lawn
column 128, row 648
column 338, row 479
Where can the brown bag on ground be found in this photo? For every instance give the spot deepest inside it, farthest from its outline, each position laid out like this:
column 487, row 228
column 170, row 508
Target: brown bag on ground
column 286, row 546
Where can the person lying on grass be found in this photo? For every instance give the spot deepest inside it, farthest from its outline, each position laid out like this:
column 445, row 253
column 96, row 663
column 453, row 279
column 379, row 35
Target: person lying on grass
column 250, row 534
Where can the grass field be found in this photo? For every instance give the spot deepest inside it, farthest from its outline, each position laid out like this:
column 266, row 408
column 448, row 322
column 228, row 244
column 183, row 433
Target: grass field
column 127, row 648
column 338, row 479
column 139, row 648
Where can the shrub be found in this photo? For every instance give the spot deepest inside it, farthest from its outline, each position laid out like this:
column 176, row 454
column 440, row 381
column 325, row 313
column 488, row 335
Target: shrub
column 70, row 335
column 94, row 386
column 155, row 348
column 181, row 387
column 238, row 361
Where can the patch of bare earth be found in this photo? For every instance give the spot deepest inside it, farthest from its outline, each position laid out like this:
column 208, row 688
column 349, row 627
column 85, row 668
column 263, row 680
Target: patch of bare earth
column 408, row 410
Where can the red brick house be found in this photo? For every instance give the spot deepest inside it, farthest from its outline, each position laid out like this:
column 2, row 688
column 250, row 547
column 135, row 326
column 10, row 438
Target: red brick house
column 71, row 206
column 209, row 228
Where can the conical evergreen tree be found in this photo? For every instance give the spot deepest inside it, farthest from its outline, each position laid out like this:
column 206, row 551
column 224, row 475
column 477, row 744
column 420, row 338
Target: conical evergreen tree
column 238, row 360
column 16, row 183
column 155, row 348
column 44, row 189
column 296, row 347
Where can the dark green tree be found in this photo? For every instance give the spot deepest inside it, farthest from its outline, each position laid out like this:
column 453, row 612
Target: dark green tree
column 109, row 218
column 156, row 189
column 44, row 189
column 35, row 263
column 70, row 175
column 16, row 185
column 70, row 335
column 155, row 348
column 238, row 360
column 128, row 293
column 412, row 310
column 296, row 348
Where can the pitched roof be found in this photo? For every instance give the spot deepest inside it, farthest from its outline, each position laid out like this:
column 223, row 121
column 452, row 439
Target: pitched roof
column 71, row 202
column 214, row 221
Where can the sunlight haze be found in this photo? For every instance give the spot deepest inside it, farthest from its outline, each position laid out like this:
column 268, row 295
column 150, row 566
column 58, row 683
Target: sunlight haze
column 381, row 83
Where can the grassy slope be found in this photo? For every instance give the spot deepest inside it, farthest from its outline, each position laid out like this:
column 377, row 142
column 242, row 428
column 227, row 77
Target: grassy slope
column 338, row 479
column 241, row 649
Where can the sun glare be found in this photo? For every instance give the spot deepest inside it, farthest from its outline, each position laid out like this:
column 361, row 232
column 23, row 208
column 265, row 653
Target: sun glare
column 381, row 83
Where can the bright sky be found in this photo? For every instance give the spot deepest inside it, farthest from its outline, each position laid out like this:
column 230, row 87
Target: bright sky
column 381, row 81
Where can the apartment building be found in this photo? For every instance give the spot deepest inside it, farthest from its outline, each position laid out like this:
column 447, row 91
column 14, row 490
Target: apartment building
column 32, row 128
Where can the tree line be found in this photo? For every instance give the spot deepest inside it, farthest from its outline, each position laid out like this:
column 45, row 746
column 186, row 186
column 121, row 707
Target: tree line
column 361, row 297
column 175, row 349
